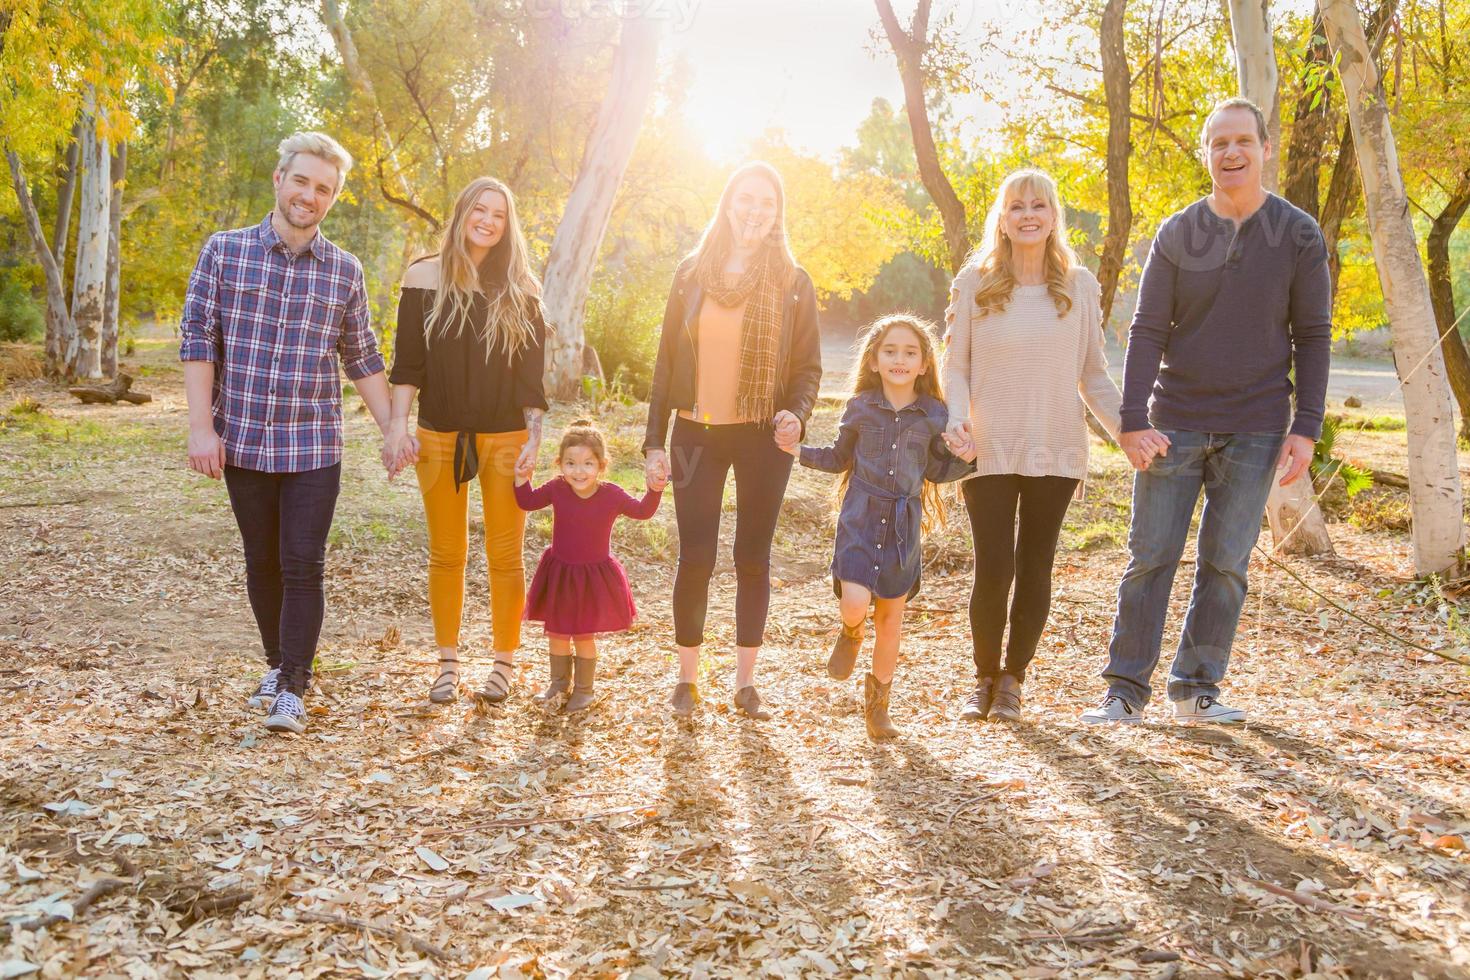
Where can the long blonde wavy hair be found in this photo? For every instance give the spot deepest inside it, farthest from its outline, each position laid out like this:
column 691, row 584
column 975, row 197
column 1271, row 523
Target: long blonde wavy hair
column 717, row 239
column 505, row 277
column 865, row 378
column 992, row 256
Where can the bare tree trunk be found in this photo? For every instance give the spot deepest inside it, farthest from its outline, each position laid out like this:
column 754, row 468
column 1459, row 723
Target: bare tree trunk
column 1435, row 495
column 1255, row 68
column 1297, row 524
column 1442, row 295
column 909, row 48
column 1342, row 188
column 1118, row 91
column 66, row 190
column 89, row 285
column 112, row 298
column 584, row 220
column 1311, row 132
column 59, row 325
column 336, row 25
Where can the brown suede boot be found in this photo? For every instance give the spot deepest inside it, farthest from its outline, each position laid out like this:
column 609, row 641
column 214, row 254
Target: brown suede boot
column 1006, row 705
column 875, row 708
column 561, row 680
column 581, row 699
column 845, row 650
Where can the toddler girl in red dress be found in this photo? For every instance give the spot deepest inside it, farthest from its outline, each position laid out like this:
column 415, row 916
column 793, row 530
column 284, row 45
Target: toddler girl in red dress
column 579, row 589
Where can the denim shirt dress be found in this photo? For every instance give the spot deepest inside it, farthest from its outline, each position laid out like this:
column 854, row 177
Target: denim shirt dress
column 891, row 453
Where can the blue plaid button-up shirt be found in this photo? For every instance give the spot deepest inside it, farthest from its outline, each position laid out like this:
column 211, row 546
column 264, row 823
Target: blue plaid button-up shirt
column 275, row 323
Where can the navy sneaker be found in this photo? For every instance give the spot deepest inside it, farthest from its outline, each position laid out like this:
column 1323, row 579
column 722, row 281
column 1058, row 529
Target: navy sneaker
column 270, row 686
column 288, row 714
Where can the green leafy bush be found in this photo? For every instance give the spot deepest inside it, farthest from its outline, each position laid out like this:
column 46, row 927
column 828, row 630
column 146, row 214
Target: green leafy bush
column 21, row 317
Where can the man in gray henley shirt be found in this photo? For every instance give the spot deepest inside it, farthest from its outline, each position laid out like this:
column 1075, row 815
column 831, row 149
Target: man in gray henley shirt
column 1235, row 295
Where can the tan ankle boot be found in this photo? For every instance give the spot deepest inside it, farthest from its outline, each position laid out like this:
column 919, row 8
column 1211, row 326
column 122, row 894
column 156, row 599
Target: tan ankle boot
column 585, row 669
column 875, row 708
column 561, row 679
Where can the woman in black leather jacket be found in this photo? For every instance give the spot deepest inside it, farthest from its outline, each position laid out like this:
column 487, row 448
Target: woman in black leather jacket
column 739, row 358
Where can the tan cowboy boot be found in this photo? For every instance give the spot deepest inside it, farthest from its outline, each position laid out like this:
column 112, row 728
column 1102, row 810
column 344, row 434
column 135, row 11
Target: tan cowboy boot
column 875, row 708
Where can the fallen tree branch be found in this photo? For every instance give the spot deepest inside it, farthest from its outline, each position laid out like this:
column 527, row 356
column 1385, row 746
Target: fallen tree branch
column 1305, row 901
column 101, row 888
column 110, row 394
column 392, row 932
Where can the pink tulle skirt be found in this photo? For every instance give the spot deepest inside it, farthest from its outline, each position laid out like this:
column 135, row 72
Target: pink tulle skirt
column 576, row 599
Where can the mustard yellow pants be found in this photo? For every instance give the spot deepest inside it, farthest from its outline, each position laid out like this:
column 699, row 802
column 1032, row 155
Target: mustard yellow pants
column 447, row 514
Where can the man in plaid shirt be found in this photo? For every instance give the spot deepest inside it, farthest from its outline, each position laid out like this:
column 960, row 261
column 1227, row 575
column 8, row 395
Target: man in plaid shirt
column 271, row 311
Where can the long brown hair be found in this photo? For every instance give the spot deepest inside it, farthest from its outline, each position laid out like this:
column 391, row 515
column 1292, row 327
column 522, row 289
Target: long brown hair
column 866, row 378
column 717, row 239
column 505, row 277
column 992, row 256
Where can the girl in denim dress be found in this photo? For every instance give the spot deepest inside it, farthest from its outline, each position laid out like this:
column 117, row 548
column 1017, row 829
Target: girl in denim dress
column 892, row 455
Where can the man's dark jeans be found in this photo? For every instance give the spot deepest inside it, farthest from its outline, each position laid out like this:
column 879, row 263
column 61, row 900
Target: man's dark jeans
column 284, row 519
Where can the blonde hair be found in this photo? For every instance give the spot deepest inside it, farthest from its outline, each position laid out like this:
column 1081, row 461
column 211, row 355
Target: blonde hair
column 717, row 239
column 865, row 378
column 992, row 256
column 504, row 276
column 318, row 145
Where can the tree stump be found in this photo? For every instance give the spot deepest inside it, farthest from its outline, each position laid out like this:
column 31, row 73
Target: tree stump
column 110, row 394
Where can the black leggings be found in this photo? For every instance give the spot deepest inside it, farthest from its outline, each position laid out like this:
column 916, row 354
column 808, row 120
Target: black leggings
column 699, row 458
column 1003, row 556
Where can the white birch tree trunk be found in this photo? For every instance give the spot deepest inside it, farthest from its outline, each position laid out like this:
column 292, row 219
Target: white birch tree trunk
column 1435, row 495
column 579, row 235
column 112, row 300
column 1297, row 524
column 59, row 325
column 1255, row 69
column 89, row 288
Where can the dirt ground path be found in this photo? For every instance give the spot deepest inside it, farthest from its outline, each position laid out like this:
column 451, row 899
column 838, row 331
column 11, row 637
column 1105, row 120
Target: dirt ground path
column 1325, row 838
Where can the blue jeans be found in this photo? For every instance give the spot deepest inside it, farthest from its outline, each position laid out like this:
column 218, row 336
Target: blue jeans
column 1235, row 471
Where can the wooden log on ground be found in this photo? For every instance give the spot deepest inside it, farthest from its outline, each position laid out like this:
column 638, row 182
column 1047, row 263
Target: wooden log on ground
column 118, row 390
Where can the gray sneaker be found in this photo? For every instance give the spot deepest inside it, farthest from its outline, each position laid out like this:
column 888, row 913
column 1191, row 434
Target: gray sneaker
column 1203, row 708
column 288, row 714
column 270, row 686
column 1113, row 711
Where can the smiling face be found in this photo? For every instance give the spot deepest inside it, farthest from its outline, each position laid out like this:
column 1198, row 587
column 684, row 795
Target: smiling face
column 484, row 225
column 306, row 189
column 899, row 359
column 1029, row 218
column 753, row 210
column 1235, row 152
column 580, row 467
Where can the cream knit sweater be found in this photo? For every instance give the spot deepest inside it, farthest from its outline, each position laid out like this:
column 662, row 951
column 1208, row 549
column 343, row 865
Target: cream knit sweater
column 1022, row 376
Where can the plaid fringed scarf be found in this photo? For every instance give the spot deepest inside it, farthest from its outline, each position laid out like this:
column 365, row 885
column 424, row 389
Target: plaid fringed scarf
column 760, row 328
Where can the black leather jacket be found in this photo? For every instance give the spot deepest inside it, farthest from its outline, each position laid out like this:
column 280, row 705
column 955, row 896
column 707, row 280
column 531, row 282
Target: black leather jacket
column 799, row 359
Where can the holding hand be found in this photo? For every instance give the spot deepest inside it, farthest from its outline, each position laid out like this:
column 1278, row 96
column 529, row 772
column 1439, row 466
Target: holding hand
column 1142, row 445
column 959, row 440
column 656, row 469
column 400, row 449
column 788, row 429
column 526, row 461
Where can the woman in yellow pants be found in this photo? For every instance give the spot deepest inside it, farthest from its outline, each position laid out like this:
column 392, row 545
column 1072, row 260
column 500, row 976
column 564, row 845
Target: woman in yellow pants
column 470, row 344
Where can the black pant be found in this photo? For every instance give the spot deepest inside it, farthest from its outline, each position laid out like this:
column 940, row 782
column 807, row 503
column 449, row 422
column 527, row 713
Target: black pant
column 284, row 519
column 699, row 457
column 1003, row 555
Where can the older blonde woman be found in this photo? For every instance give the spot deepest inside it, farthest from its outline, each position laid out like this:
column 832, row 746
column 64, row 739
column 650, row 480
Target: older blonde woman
column 1025, row 356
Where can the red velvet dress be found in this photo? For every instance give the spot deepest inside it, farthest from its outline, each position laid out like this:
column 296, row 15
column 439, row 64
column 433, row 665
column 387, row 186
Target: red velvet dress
column 579, row 588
